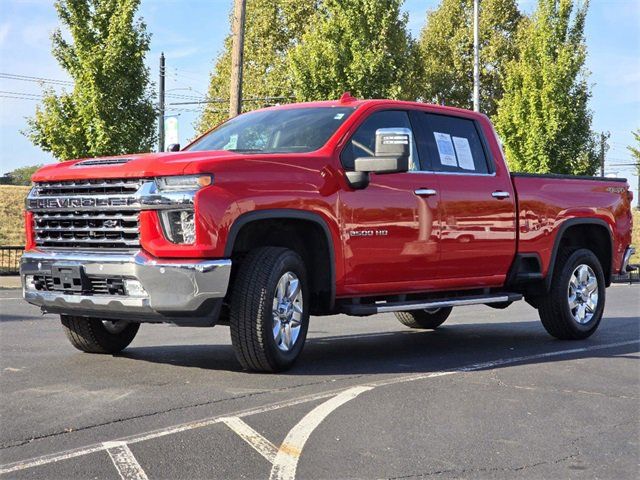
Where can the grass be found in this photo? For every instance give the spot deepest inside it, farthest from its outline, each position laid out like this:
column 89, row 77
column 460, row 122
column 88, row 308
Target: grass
column 11, row 223
column 11, row 214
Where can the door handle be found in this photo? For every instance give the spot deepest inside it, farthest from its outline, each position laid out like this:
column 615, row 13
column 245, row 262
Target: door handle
column 500, row 194
column 425, row 192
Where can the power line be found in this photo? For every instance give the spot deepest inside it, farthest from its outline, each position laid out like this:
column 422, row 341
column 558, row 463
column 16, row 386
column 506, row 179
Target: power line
column 185, row 97
column 222, row 100
column 183, row 110
column 29, row 78
column 25, row 94
column 20, row 98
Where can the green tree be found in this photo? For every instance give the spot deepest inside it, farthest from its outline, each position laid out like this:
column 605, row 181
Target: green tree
column 446, row 46
column 19, row 176
column 362, row 46
column 543, row 117
column 272, row 28
column 110, row 110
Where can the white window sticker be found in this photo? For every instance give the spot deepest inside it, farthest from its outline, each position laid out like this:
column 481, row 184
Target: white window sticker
column 463, row 151
column 338, row 116
column 445, row 149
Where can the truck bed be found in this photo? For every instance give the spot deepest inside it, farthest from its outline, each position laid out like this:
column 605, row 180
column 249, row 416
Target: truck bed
column 548, row 202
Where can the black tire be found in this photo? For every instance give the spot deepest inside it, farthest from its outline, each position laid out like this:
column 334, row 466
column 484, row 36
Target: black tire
column 423, row 319
column 251, row 317
column 90, row 335
column 554, row 309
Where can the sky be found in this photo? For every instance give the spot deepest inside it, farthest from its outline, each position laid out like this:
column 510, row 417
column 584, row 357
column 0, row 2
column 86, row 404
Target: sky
column 191, row 34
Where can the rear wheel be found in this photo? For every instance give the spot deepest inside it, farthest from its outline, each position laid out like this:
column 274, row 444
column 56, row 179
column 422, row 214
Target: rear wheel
column 93, row 335
column 573, row 308
column 429, row 318
column 269, row 313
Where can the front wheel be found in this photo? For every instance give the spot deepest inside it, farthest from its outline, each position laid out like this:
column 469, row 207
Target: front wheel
column 429, row 319
column 93, row 335
column 269, row 313
column 573, row 308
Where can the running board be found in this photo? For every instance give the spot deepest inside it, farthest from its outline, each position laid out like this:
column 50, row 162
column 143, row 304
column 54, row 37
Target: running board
column 384, row 307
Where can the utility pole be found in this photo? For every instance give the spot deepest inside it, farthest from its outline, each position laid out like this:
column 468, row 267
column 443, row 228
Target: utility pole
column 161, row 105
column 235, row 102
column 476, row 56
column 603, row 148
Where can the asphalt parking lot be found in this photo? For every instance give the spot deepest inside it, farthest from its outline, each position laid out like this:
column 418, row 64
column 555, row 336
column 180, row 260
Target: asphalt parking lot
column 488, row 395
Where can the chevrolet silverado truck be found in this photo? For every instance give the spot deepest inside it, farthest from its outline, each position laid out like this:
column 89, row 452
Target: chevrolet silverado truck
column 350, row 206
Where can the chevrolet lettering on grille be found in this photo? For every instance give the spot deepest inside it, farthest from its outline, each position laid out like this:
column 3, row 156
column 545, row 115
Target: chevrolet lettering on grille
column 86, row 202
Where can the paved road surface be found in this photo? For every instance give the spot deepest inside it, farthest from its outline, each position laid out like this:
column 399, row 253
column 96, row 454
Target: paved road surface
column 488, row 395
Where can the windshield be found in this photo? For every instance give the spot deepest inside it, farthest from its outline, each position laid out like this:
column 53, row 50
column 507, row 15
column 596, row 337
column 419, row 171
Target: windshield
column 276, row 131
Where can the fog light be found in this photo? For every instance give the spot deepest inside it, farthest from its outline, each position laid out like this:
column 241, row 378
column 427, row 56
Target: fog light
column 29, row 282
column 134, row 288
column 179, row 226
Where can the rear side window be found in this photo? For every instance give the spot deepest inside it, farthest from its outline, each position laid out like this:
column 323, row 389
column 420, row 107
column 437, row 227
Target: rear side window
column 454, row 144
column 363, row 141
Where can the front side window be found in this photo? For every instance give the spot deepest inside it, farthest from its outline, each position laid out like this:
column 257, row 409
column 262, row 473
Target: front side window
column 289, row 130
column 363, row 141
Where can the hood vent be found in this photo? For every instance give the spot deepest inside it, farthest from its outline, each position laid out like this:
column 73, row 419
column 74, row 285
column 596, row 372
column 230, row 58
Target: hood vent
column 102, row 161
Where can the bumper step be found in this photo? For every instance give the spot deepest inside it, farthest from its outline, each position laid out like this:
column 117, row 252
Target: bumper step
column 631, row 275
column 384, row 307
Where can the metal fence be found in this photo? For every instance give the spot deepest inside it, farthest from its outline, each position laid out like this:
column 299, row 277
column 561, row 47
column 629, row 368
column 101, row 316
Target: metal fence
column 10, row 259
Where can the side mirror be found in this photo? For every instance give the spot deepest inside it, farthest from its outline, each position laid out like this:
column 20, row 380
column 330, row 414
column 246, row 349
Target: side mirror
column 173, row 147
column 393, row 147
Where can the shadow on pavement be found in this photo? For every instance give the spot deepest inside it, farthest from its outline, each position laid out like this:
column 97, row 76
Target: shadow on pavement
column 411, row 351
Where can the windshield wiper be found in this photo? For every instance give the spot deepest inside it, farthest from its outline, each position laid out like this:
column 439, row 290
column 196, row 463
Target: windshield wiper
column 244, row 150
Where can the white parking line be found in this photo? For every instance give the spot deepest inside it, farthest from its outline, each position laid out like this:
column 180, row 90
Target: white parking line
column 124, row 461
column 286, row 461
column 66, row 455
column 260, row 444
column 12, row 298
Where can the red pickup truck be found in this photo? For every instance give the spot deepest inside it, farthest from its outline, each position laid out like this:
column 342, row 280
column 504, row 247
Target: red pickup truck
column 348, row 206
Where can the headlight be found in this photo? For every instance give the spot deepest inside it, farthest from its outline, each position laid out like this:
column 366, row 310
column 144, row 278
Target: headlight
column 179, row 226
column 183, row 182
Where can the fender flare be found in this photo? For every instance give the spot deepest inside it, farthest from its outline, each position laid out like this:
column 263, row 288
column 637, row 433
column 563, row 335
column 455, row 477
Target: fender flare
column 287, row 214
column 572, row 222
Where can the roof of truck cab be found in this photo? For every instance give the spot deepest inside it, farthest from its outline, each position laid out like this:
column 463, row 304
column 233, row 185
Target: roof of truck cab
column 356, row 103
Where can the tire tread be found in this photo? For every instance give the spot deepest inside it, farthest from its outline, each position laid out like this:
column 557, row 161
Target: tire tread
column 423, row 320
column 249, row 299
column 552, row 306
column 90, row 336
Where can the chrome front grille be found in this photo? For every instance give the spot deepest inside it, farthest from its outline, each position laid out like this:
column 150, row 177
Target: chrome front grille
column 92, row 213
column 87, row 229
column 118, row 186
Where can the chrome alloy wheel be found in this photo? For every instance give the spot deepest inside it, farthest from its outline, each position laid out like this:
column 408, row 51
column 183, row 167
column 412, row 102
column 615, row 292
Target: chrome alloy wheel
column 583, row 294
column 115, row 326
column 287, row 311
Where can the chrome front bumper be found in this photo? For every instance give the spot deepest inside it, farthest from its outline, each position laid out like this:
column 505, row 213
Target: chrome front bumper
column 177, row 291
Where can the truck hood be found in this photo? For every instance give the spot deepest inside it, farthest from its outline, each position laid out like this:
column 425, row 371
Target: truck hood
column 131, row 166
